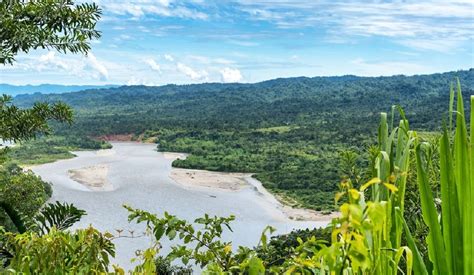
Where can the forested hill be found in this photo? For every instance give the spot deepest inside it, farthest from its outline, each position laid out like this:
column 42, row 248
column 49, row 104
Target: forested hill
column 289, row 132
column 134, row 109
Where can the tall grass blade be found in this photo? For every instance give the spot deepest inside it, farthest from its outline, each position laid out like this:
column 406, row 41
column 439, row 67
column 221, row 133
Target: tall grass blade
column 462, row 169
column 404, row 144
column 418, row 264
column 383, row 173
column 383, row 160
column 383, row 132
column 468, row 231
column 452, row 225
column 451, row 107
column 437, row 252
column 461, row 152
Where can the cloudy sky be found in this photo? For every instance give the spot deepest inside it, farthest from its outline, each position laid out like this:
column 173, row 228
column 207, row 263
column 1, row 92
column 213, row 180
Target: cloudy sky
column 155, row 42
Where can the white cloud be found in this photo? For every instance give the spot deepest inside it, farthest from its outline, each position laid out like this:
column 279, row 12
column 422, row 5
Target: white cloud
column 223, row 61
column 144, row 29
column 141, row 8
column 362, row 67
column 416, row 24
column 199, row 58
column 125, row 37
column 191, row 73
column 103, row 73
column 442, row 45
column 139, row 81
column 59, row 64
column 153, row 65
column 50, row 59
column 229, row 75
column 169, row 57
column 243, row 43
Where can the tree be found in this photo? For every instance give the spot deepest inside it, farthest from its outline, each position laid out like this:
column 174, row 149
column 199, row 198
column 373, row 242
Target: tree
column 39, row 24
column 46, row 24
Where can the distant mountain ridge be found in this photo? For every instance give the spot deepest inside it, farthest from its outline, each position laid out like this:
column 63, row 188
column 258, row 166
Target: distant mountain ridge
column 282, row 101
column 60, row 89
column 14, row 90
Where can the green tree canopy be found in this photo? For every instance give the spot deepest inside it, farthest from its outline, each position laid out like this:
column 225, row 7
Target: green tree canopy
column 46, row 24
column 22, row 124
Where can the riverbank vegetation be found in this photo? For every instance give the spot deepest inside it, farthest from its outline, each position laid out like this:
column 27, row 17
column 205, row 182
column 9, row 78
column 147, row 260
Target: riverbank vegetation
column 51, row 148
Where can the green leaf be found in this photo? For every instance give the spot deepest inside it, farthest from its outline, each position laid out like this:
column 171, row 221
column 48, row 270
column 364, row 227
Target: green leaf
column 172, row 234
column 418, row 264
column 464, row 183
column 469, row 228
column 435, row 240
column 452, row 224
column 159, row 231
column 255, row 266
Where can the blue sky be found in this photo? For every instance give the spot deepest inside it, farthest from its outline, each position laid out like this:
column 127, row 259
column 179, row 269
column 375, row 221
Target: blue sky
column 174, row 41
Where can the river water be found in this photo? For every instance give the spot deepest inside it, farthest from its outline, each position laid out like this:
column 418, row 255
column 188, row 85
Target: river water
column 140, row 178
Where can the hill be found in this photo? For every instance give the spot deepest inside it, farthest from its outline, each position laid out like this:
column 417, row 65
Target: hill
column 290, row 132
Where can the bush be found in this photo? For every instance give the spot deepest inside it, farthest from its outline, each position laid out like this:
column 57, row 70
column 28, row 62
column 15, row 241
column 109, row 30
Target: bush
column 85, row 251
column 164, row 267
column 281, row 247
column 24, row 192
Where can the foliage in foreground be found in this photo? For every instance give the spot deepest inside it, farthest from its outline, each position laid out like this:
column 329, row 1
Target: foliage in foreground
column 451, row 241
column 24, row 193
column 21, row 195
column 46, row 24
column 58, row 252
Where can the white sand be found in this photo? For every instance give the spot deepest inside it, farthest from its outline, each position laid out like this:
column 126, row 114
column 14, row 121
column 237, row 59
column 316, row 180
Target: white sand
column 292, row 213
column 203, row 178
column 302, row 214
column 235, row 182
column 173, row 155
column 93, row 177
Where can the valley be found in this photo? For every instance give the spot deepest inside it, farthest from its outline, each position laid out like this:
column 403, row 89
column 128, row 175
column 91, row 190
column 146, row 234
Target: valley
column 139, row 176
column 294, row 134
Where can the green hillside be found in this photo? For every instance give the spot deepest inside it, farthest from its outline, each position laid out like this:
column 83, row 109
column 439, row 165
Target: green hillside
column 289, row 132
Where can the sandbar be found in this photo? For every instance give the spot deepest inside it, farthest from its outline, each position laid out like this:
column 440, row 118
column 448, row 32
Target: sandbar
column 93, row 177
column 209, row 179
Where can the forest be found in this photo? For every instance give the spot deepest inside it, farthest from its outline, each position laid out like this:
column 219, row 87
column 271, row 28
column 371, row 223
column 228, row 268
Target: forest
column 291, row 133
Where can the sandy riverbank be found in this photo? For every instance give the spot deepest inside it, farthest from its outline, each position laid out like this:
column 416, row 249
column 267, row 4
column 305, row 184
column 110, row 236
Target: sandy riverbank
column 302, row 214
column 93, row 177
column 173, row 155
column 203, row 178
column 236, row 181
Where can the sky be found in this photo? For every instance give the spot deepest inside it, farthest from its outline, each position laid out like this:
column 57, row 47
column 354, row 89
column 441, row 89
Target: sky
column 158, row 42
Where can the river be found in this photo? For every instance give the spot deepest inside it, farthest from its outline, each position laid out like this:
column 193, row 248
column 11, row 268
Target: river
column 140, row 178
